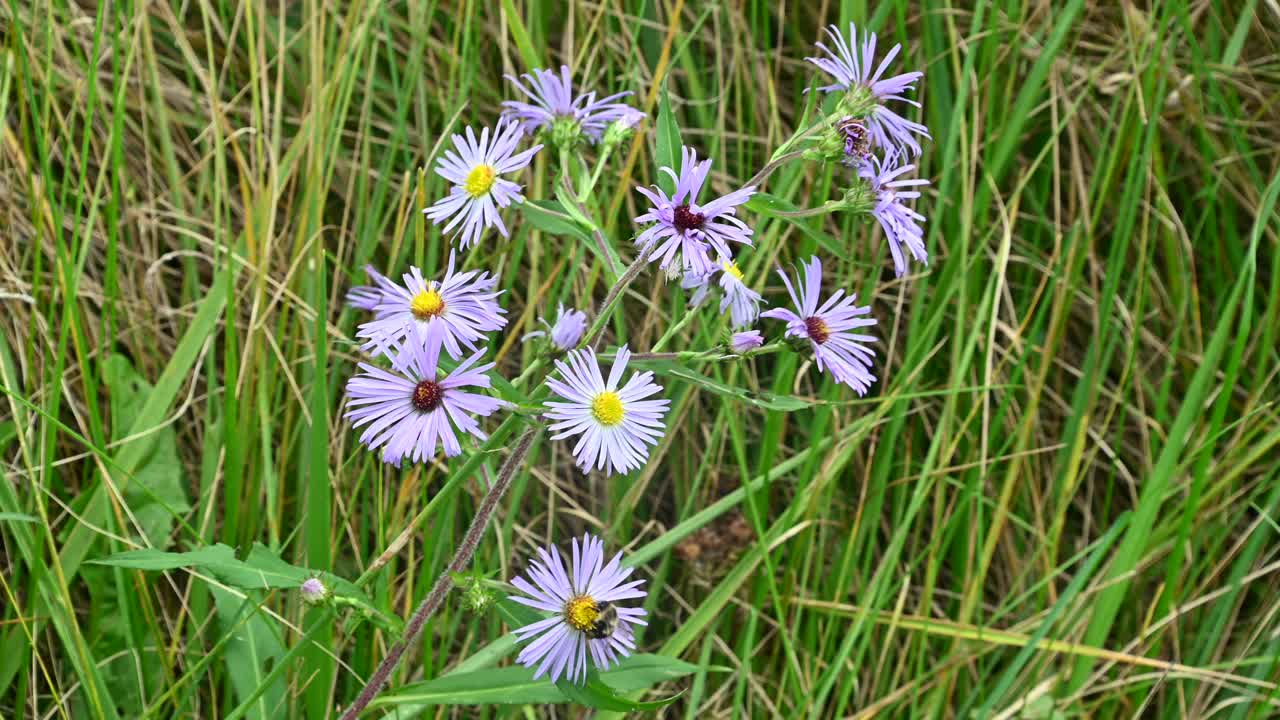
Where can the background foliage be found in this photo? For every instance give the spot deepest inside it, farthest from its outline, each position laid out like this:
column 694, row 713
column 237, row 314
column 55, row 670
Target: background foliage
column 1060, row 500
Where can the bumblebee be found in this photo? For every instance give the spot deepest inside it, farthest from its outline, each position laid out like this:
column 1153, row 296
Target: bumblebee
column 606, row 622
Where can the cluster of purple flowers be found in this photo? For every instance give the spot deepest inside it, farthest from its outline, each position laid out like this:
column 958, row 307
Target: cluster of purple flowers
column 433, row 333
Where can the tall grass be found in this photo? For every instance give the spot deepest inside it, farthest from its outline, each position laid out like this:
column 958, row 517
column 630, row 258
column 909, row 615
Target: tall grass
column 1062, row 496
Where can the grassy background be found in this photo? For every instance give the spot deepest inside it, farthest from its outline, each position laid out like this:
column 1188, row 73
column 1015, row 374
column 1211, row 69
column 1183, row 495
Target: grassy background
column 1061, row 497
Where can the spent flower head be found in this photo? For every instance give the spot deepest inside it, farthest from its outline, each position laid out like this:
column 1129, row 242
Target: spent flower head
column 852, row 65
column 475, row 167
column 616, row 425
column 680, row 229
column 588, row 618
column 828, row 328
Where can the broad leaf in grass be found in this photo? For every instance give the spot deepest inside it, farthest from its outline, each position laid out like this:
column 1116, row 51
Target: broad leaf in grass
column 669, row 143
column 763, row 399
column 253, row 649
column 156, row 493
column 552, row 218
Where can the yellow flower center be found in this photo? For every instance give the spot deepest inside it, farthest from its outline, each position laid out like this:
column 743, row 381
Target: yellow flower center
column 479, row 180
column 426, row 305
column 581, row 612
column 732, row 269
column 607, row 408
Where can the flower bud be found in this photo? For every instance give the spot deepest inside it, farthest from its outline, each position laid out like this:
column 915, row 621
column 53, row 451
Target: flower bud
column 619, row 131
column 566, row 132
column 745, row 341
column 313, row 591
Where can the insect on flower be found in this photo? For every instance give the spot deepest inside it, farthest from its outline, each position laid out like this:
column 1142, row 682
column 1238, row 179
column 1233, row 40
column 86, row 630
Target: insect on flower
column 588, row 618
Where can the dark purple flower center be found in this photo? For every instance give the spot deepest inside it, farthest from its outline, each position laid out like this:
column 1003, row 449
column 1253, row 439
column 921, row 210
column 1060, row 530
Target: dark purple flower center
column 686, row 219
column 817, row 329
column 427, row 396
column 857, row 141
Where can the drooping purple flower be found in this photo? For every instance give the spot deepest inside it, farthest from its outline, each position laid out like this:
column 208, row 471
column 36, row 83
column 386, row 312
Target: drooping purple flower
column 900, row 223
column 616, row 425
column 413, row 410
column 681, row 227
column 742, row 302
column 587, row 619
column 567, row 331
column 854, row 69
column 828, row 328
column 474, row 167
column 455, row 312
column 552, row 99
column 741, row 342
column 368, row 297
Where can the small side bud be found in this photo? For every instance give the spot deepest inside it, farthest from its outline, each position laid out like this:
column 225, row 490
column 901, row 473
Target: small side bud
column 619, row 131
column 313, row 591
column 566, row 132
column 859, row 199
column 745, row 341
column 475, row 596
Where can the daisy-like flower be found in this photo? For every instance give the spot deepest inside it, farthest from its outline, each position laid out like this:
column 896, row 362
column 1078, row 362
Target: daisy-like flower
column 616, row 424
column 680, row 226
column 900, row 223
column 478, row 191
column 587, row 621
column 413, row 410
column 854, row 71
column 552, row 101
column 455, row 312
column 567, row 331
column 742, row 302
column 828, row 328
column 741, row 342
column 368, row 297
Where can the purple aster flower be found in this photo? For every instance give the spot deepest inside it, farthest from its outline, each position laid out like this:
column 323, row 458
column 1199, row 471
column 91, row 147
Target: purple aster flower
column 901, row 224
column 837, row 350
column 700, row 284
column 742, row 302
column 741, row 342
column 478, row 191
column 587, row 619
column 682, row 226
column 567, row 331
column 368, row 297
column 553, row 99
column 455, row 312
column 853, row 70
column 413, row 410
column 616, row 424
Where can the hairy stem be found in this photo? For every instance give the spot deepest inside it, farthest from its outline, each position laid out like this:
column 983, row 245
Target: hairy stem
column 444, row 583
column 772, row 165
column 615, row 294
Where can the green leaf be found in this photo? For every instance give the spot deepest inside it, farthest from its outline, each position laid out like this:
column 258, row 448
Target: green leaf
column 551, row 217
column 157, row 492
column 774, row 207
column 17, row 517
column 594, row 693
column 253, row 650
column 261, row 570
column 762, row 399
column 491, row 686
column 515, row 686
column 669, row 143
